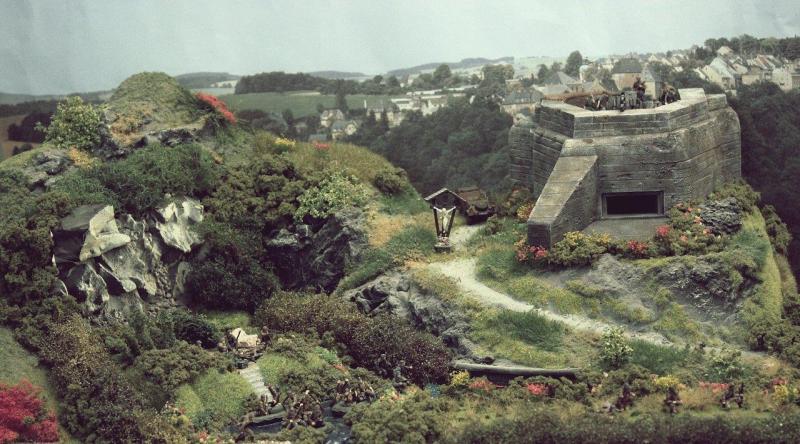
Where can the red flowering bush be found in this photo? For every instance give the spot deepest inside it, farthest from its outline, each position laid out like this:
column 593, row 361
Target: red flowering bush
column 637, row 249
column 530, row 254
column 321, row 146
column 23, row 416
column 685, row 233
column 217, row 105
column 537, row 389
column 482, row 384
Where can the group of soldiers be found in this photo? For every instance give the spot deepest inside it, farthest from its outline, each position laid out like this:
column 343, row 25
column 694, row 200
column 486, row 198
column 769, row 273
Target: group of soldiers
column 601, row 101
column 349, row 393
column 303, row 410
column 386, row 370
column 229, row 344
column 673, row 401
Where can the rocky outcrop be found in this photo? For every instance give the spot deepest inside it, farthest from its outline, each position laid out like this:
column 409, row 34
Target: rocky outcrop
column 46, row 167
column 177, row 222
column 722, row 216
column 116, row 266
column 320, row 258
column 395, row 293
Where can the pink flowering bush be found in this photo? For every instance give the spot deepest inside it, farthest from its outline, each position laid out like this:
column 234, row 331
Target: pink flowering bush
column 714, row 387
column 23, row 416
column 685, row 233
column 638, row 249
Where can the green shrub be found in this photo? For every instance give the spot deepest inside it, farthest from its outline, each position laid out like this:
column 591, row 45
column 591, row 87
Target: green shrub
column 578, row 249
column 778, row 232
column 232, row 275
column 362, row 337
column 75, row 124
column 741, row 191
column 214, row 399
column 162, row 371
column 139, row 182
column 97, row 402
column 259, row 196
column 193, row 328
column 658, row 359
column 333, row 193
column 614, row 350
column 391, row 181
column 413, row 419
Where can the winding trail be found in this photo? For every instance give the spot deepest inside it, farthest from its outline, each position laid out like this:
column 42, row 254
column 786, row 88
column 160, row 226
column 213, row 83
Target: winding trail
column 463, row 271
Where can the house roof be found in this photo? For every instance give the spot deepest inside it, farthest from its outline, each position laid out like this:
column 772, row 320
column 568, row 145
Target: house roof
column 548, row 90
column 341, row 124
column 443, row 194
column 559, row 78
column 627, row 66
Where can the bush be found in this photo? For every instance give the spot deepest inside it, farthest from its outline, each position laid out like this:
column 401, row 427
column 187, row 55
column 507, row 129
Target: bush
column 391, row 181
column 334, row 192
column 615, row 351
column 193, row 328
column 741, row 191
column 139, row 182
column 685, row 233
column 75, row 124
column 363, row 338
column 259, row 196
column 162, row 371
column 579, row 249
column 778, row 232
column 23, row 416
column 98, row 402
column 412, row 419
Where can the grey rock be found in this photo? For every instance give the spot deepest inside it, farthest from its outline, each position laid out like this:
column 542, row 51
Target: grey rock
column 139, row 261
column 46, row 167
column 384, row 294
column 722, row 216
column 87, row 232
column 177, row 222
column 88, row 287
column 304, row 257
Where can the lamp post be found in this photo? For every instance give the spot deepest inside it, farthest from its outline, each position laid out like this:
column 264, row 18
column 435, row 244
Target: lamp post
column 444, row 203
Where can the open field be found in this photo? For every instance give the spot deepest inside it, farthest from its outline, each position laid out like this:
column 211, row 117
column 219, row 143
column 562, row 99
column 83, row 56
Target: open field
column 7, row 146
column 302, row 103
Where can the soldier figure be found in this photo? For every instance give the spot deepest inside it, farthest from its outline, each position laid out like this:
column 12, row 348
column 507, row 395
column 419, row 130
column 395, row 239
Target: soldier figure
column 399, row 381
column 640, row 88
column 622, row 103
column 383, row 366
column 264, row 334
column 626, row 399
column 602, row 102
column 672, row 401
column 316, row 419
column 739, row 398
column 727, row 397
column 244, row 428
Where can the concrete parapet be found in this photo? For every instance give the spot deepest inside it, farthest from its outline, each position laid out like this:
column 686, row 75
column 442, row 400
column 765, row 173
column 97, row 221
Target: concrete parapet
column 571, row 158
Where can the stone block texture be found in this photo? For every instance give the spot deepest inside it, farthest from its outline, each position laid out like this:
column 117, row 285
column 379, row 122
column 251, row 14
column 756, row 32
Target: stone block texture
column 570, row 157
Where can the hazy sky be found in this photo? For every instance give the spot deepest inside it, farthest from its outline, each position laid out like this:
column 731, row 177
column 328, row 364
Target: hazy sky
column 81, row 45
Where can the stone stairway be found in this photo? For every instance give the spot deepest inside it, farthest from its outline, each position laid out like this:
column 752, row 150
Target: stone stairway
column 252, row 374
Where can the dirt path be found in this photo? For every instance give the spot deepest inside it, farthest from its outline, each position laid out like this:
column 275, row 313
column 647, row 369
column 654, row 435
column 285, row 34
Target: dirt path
column 462, row 234
column 463, row 271
column 252, row 374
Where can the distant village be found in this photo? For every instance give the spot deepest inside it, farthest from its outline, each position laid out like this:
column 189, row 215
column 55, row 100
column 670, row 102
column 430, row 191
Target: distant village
column 612, row 74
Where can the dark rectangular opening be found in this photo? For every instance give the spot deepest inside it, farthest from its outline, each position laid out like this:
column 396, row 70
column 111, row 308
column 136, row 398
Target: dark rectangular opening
column 633, row 204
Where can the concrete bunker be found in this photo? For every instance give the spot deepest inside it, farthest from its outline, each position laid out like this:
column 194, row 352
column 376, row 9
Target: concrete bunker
column 584, row 165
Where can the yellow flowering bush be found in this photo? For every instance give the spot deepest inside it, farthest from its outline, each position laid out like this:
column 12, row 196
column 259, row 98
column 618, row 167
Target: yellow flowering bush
column 459, row 379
